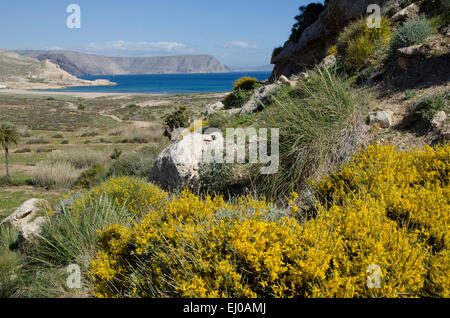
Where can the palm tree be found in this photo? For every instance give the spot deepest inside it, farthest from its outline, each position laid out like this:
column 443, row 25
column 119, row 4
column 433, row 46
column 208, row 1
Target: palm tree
column 8, row 136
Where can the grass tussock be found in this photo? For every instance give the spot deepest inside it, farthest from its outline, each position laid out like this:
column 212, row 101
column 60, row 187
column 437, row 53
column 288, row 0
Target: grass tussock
column 59, row 175
column 9, row 262
column 79, row 159
column 141, row 136
column 319, row 125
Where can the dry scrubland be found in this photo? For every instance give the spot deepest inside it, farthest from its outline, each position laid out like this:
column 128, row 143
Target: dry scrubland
column 74, row 133
column 349, row 193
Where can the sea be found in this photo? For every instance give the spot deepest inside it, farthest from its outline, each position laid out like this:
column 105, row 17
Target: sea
column 167, row 83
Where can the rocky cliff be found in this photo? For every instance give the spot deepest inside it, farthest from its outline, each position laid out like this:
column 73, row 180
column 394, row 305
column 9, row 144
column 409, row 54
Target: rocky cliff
column 21, row 72
column 315, row 41
column 80, row 64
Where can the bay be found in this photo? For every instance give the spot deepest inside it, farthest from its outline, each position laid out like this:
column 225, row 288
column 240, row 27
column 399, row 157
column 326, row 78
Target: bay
column 167, row 83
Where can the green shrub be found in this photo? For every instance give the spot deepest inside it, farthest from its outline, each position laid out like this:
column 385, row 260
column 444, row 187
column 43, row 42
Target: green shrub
column 44, row 150
column 237, row 98
column 91, row 132
column 358, row 46
column 214, row 177
column 178, row 119
column 23, row 150
column 137, row 164
column 115, row 154
column 64, row 142
column 411, row 33
column 319, row 126
column 246, row 83
column 37, row 140
column 6, row 181
column 308, row 15
column 58, row 136
column 409, row 94
column 92, row 176
column 427, row 108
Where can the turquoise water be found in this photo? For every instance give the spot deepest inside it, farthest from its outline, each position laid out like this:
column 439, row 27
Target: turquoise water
column 168, row 83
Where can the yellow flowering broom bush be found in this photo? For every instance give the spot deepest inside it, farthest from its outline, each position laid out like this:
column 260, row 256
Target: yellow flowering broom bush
column 134, row 194
column 386, row 209
column 358, row 45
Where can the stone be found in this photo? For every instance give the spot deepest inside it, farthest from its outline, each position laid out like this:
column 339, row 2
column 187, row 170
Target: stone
column 27, row 219
column 329, row 61
column 213, row 108
column 439, row 120
column 257, row 100
column 29, row 231
column 446, row 134
column 283, row 80
column 408, row 13
column 414, row 51
column 382, row 119
column 178, row 133
column 179, row 163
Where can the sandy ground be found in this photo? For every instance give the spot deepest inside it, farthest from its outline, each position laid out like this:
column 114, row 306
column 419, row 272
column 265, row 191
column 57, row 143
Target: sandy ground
column 76, row 94
column 89, row 94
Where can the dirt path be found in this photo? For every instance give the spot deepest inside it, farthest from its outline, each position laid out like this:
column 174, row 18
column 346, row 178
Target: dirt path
column 138, row 124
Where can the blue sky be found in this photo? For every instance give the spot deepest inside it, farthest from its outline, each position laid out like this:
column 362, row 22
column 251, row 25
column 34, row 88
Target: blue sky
column 240, row 33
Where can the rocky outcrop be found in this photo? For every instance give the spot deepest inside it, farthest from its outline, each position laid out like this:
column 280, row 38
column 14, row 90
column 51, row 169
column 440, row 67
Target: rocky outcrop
column 27, row 219
column 213, row 108
column 258, row 99
column 179, row 163
column 81, row 64
column 316, row 40
column 21, row 72
column 409, row 12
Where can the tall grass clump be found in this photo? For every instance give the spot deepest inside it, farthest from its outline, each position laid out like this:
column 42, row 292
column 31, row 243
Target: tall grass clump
column 412, row 32
column 319, row 125
column 9, row 262
column 138, row 164
column 79, row 159
column 37, row 140
column 70, row 236
column 141, row 136
column 59, row 175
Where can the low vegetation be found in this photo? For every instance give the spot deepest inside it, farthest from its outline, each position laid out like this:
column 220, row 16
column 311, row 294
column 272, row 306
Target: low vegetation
column 186, row 246
column 412, row 32
column 358, row 45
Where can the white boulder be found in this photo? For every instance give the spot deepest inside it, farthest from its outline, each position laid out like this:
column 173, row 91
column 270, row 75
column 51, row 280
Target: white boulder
column 27, row 219
column 179, row 163
column 213, row 108
column 382, row 119
column 258, row 99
